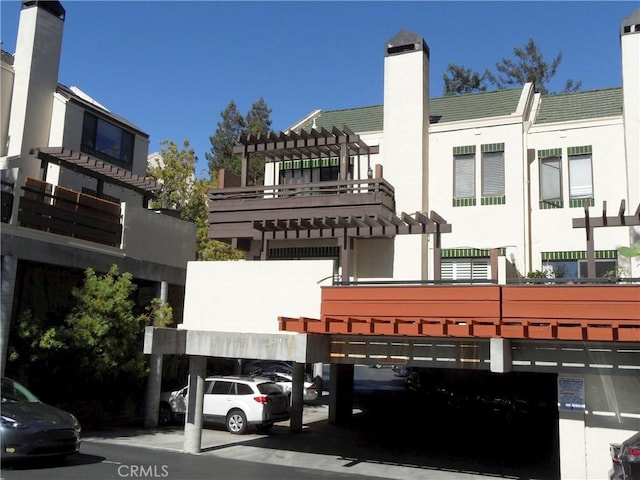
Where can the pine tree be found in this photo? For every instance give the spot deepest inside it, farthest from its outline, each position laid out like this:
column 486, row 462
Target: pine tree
column 222, row 142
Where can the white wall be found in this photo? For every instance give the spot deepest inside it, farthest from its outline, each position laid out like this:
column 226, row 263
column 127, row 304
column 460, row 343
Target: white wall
column 248, row 297
column 553, row 228
column 480, row 226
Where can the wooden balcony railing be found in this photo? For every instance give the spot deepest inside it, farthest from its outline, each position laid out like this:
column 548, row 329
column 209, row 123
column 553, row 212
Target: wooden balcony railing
column 233, row 210
column 552, row 312
column 366, row 186
column 66, row 212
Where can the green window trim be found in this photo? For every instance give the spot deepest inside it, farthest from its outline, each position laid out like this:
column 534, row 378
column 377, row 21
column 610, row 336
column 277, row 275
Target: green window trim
column 305, row 252
column 550, row 204
column 550, row 153
column 496, row 200
column 492, row 147
column 579, row 150
column 470, row 252
column 464, row 202
column 312, row 163
column 579, row 255
column 465, row 150
column 579, row 202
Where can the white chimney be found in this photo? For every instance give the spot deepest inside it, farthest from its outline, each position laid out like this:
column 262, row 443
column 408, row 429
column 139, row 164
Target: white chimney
column 405, row 146
column 630, row 46
column 36, row 63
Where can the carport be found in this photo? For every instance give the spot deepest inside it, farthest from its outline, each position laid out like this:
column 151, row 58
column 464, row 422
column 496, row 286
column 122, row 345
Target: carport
column 198, row 345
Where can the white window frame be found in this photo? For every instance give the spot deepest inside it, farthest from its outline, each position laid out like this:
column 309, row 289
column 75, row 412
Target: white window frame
column 580, row 176
column 471, row 268
column 551, row 184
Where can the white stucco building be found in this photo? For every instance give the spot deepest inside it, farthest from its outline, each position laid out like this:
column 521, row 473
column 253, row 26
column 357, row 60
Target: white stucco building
column 477, row 188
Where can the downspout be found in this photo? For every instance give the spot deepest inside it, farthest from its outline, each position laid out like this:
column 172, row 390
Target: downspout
column 531, row 156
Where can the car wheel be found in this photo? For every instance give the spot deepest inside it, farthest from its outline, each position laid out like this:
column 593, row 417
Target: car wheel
column 164, row 415
column 236, row 422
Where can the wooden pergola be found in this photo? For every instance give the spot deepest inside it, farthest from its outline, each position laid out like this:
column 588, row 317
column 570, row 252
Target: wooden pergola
column 296, row 145
column 589, row 223
column 343, row 209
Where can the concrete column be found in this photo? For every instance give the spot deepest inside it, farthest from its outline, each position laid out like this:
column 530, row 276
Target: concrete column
column 154, row 382
column 9, row 269
column 341, row 393
column 296, row 397
column 573, row 454
column 500, row 355
column 193, row 420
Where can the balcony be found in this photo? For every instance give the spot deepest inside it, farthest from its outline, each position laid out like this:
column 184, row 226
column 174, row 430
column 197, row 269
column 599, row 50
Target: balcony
column 65, row 225
column 55, row 209
column 287, row 210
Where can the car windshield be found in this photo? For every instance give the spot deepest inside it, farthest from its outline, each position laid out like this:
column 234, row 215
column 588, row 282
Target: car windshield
column 12, row 391
column 269, row 387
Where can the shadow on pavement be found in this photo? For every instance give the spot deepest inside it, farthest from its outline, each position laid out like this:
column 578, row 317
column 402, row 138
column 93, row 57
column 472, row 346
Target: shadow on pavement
column 418, row 439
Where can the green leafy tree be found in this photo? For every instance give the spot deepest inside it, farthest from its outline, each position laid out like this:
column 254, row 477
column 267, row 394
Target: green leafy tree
column 226, row 136
column 180, row 190
column 102, row 329
column 258, row 122
column 459, row 80
column 175, row 173
column 91, row 361
column 528, row 66
column 216, row 250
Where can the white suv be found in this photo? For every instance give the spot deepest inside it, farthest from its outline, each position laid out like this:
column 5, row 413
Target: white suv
column 235, row 402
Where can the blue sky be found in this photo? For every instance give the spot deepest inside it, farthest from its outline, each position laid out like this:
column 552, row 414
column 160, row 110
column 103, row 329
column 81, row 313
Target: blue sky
column 171, row 67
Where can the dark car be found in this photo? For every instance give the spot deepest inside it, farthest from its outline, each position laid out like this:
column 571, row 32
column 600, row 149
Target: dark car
column 254, row 367
column 32, row 429
column 626, row 459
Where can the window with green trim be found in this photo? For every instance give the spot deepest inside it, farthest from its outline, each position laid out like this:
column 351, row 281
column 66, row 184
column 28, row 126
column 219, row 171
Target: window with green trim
column 580, row 176
column 493, row 170
column 311, row 171
column 551, row 178
column 573, row 264
column 476, row 268
column 464, row 175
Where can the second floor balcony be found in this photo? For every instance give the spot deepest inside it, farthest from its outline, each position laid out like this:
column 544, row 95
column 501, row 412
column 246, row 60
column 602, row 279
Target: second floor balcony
column 39, row 211
column 286, row 210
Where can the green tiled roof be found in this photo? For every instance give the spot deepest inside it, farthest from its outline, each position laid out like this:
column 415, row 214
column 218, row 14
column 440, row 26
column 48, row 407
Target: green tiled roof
column 554, row 108
column 362, row 119
column 454, row 108
column 580, row 106
column 441, row 110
